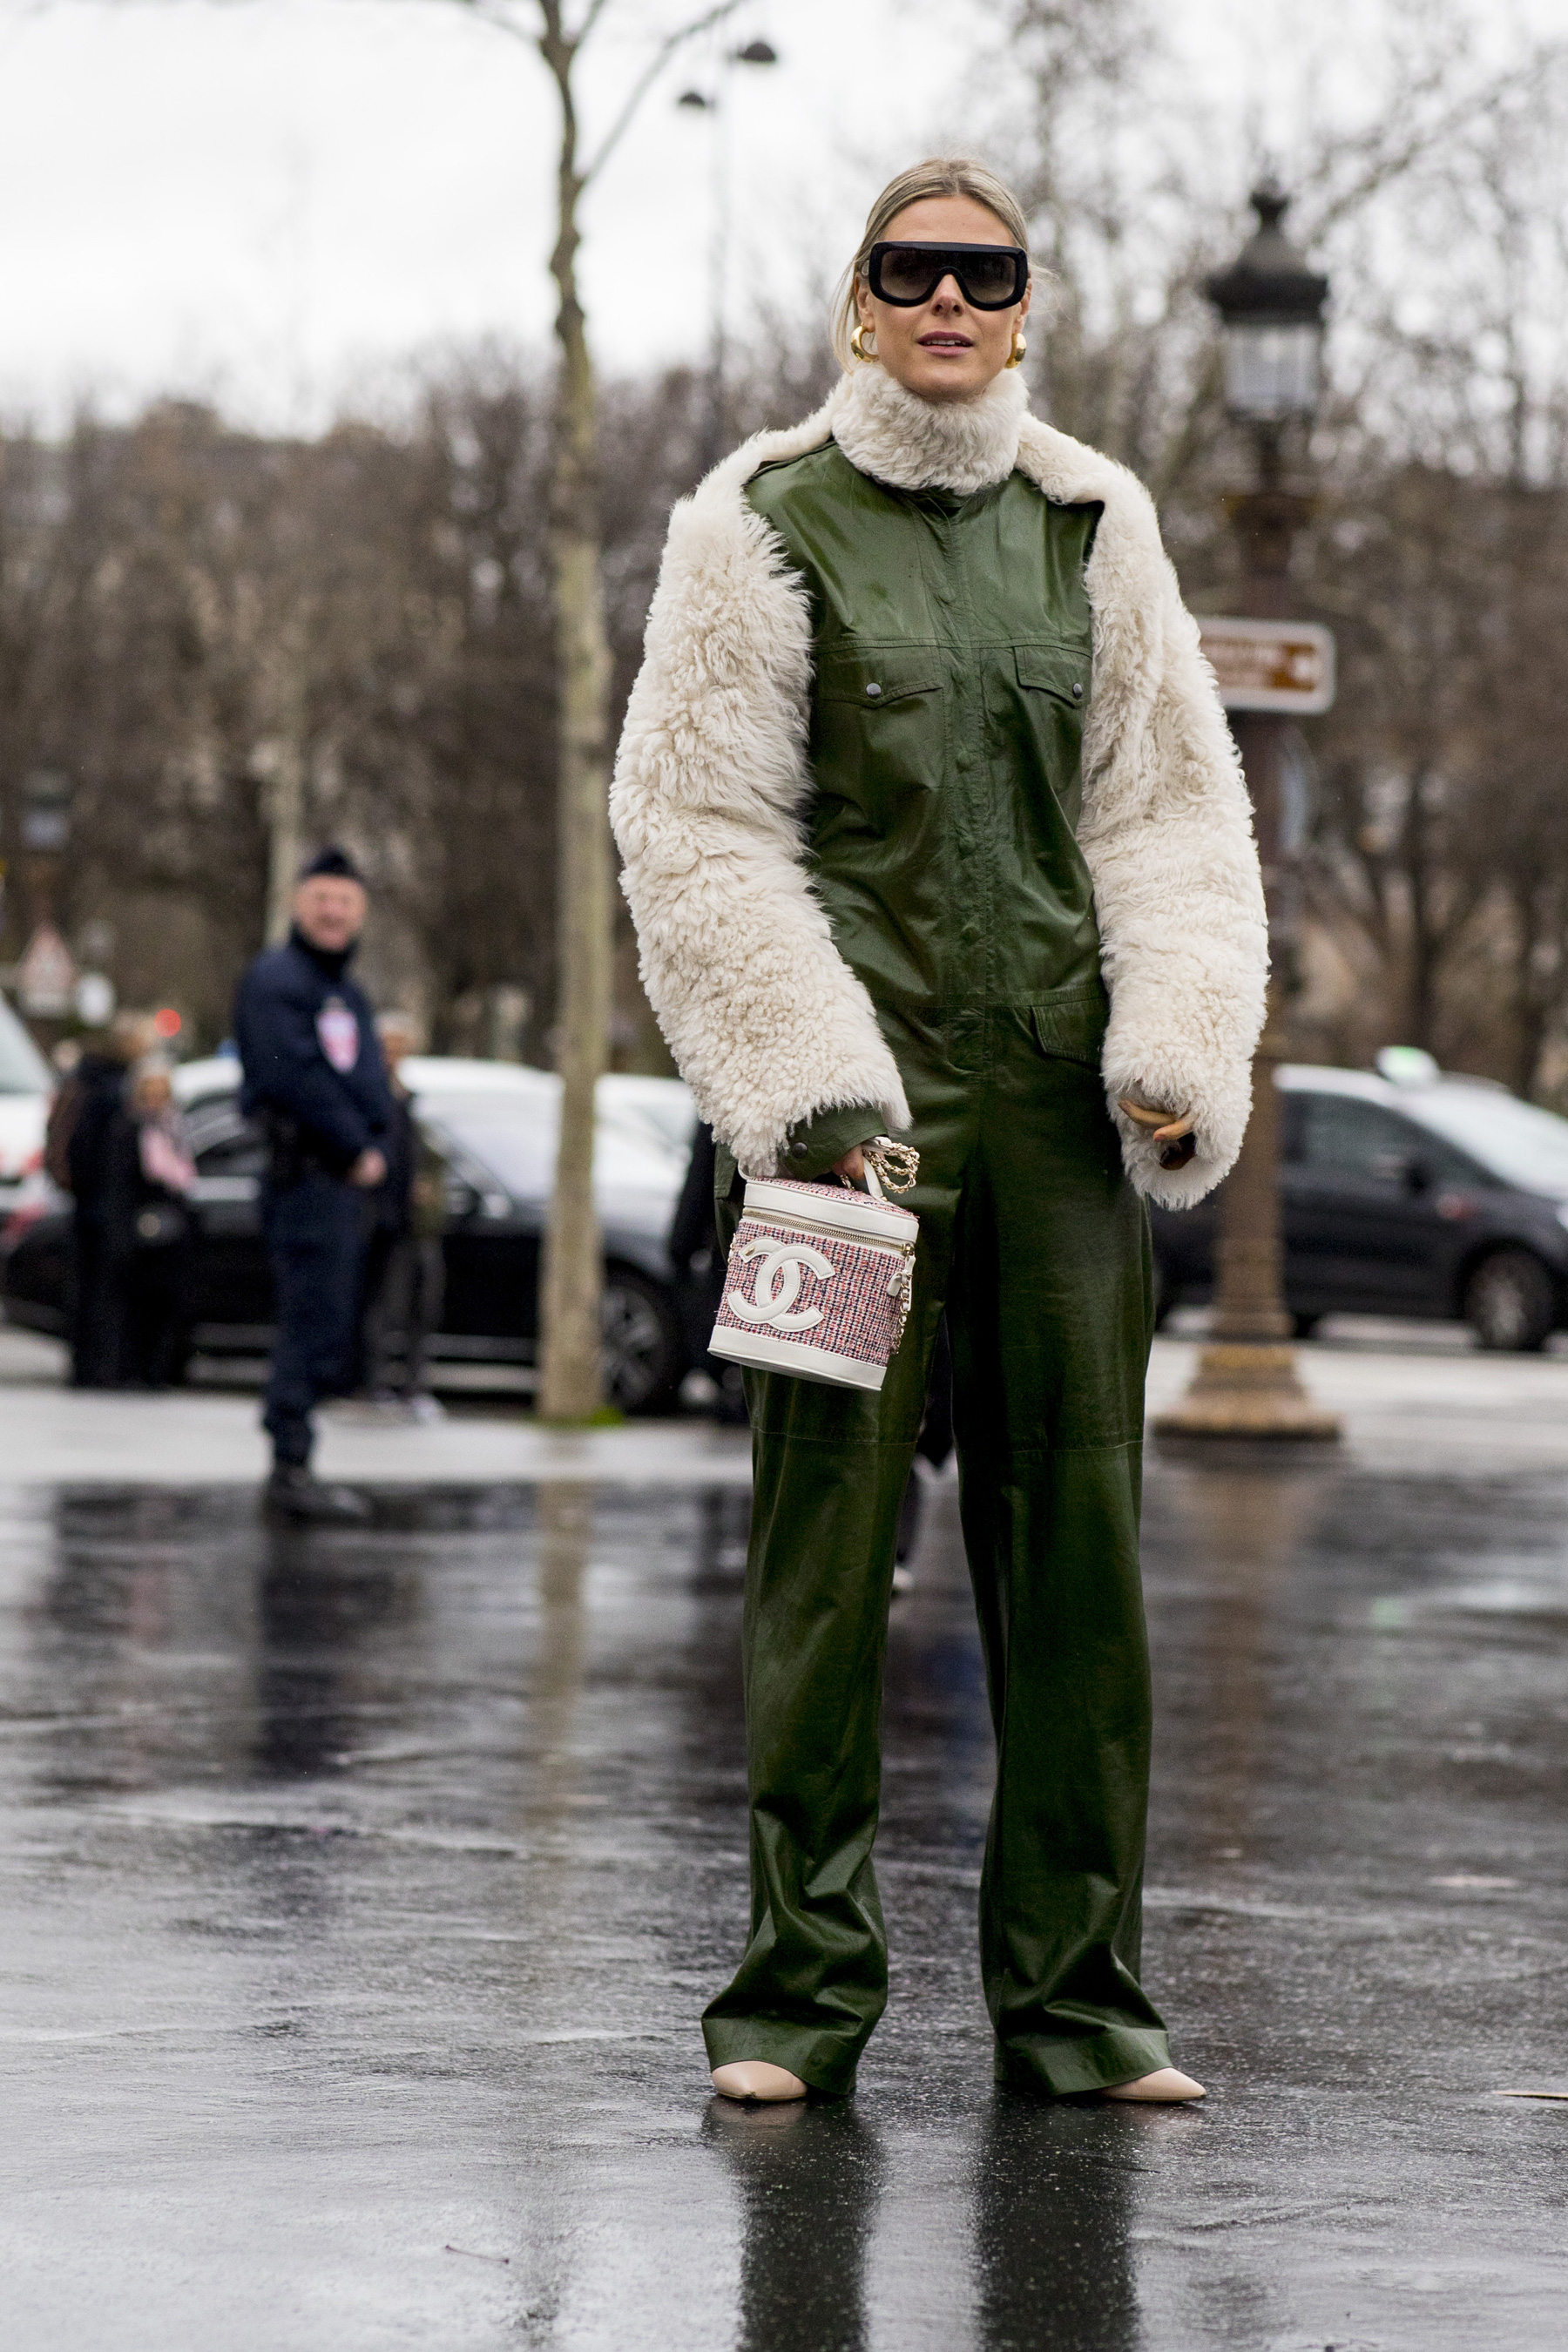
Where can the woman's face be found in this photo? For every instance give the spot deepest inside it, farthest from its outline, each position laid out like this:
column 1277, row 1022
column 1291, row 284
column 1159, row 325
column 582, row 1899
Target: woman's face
column 946, row 349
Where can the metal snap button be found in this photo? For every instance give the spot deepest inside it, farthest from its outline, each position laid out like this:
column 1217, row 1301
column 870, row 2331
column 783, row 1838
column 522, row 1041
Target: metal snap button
column 873, row 691
column 1077, row 694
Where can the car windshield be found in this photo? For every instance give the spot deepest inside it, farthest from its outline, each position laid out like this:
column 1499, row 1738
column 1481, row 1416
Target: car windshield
column 516, row 1141
column 660, row 1108
column 23, row 1069
column 1523, row 1145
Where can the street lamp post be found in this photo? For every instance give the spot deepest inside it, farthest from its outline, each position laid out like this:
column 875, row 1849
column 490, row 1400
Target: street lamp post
column 45, row 828
column 46, row 975
column 45, row 822
column 1271, row 312
column 754, row 53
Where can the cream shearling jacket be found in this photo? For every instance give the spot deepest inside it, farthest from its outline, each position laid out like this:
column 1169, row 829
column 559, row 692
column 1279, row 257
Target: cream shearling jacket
column 767, row 1022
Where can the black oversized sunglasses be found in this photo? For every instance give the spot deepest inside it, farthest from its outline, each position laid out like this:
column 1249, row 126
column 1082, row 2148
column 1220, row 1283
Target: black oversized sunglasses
column 991, row 277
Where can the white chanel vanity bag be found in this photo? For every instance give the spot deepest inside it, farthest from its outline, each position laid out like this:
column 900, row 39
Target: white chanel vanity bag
column 819, row 1275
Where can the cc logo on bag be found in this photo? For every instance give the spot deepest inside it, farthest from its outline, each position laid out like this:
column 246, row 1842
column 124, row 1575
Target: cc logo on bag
column 784, row 1266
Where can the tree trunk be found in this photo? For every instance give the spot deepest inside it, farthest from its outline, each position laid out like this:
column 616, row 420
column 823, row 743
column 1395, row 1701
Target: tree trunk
column 284, row 801
column 573, row 1274
column 1536, row 925
column 285, row 836
column 1421, row 995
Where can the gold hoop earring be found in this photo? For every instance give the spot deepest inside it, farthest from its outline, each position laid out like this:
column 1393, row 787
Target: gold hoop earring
column 858, row 343
column 1015, row 356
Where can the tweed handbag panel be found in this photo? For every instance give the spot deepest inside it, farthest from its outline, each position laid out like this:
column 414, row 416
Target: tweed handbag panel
column 823, row 1290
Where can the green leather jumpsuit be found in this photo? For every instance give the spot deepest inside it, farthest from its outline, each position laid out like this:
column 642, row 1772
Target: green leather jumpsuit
column 952, row 674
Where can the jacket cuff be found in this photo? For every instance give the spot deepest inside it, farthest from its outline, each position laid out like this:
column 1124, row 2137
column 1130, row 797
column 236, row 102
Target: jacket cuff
column 814, row 1144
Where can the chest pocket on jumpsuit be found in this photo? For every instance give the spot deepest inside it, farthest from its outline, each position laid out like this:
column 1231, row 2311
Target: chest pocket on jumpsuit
column 877, row 729
column 1053, row 693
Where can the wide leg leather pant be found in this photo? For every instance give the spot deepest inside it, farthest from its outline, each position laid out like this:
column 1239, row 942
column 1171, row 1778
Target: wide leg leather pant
column 1034, row 1242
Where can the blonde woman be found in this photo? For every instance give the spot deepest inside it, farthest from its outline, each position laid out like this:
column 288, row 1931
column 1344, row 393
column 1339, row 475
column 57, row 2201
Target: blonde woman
column 931, row 824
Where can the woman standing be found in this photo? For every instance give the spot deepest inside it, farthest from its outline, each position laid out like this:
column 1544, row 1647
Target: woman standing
column 931, row 823
column 150, row 1176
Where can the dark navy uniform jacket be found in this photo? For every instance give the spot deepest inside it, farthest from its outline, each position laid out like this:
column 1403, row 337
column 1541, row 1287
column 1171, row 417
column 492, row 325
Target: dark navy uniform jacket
column 311, row 1055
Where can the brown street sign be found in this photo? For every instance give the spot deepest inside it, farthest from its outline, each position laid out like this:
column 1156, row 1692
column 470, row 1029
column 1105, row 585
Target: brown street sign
column 1270, row 665
column 46, row 976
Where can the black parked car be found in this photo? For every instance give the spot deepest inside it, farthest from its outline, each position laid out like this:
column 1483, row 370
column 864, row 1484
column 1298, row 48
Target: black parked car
column 1446, row 1199
column 495, row 1127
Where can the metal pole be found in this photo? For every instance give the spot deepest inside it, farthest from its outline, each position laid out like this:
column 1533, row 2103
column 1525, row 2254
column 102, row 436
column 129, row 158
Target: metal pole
column 713, row 432
column 1246, row 1384
column 716, row 424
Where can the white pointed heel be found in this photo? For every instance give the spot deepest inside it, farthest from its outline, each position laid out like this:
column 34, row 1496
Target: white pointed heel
column 754, row 2078
column 1167, row 2086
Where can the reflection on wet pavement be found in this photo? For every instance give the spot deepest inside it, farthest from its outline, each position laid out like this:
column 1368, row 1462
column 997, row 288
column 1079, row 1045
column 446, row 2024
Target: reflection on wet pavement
column 364, row 1886
column 806, row 2179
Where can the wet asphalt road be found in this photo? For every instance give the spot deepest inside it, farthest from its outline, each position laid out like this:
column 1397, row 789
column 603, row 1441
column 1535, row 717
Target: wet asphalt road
column 361, row 1891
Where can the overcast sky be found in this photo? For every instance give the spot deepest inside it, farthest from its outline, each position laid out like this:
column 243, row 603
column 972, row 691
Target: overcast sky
column 264, row 200
column 271, row 202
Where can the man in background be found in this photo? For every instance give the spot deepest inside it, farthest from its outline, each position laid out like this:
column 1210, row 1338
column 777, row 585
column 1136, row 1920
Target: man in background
column 315, row 1081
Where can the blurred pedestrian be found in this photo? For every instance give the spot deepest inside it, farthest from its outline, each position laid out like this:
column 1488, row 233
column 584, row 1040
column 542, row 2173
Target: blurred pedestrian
column 699, row 1268
column 82, row 1118
column 405, row 1283
column 150, row 1176
column 314, row 1079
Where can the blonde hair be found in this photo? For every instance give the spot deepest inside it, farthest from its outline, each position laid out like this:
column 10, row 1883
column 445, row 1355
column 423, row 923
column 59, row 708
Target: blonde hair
column 939, row 175
column 131, row 1035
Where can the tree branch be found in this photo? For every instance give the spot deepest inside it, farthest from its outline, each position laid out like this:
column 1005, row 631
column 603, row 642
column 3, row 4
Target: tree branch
column 646, row 80
column 488, row 12
column 1387, row 159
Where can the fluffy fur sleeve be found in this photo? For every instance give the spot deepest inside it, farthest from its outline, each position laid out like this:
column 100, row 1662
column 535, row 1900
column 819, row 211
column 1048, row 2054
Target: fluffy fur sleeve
column 766, row 1021
column 1167, row 834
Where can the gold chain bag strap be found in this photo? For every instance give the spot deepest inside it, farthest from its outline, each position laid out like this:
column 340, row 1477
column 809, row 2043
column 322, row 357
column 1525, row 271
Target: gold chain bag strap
column 897, row 1165
column 894, row 1168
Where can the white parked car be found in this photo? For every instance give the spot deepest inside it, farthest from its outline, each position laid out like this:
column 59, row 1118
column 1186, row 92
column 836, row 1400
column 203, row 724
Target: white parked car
column 26, row 1087
column 495, row 1125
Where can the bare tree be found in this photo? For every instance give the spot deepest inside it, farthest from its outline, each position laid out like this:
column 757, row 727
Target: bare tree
column 149, row 572
column 570, row 1379
column 1435, row 192
column 1398, row 756
column 570, row 1387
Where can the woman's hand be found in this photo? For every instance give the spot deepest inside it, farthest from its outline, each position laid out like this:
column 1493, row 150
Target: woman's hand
column 1174, row 1135
column 852, row 1165
column 1167, row 1127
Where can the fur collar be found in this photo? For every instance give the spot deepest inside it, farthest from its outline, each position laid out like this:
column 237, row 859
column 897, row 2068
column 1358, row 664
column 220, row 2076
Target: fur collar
column 922, row 444
column 911, row 444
